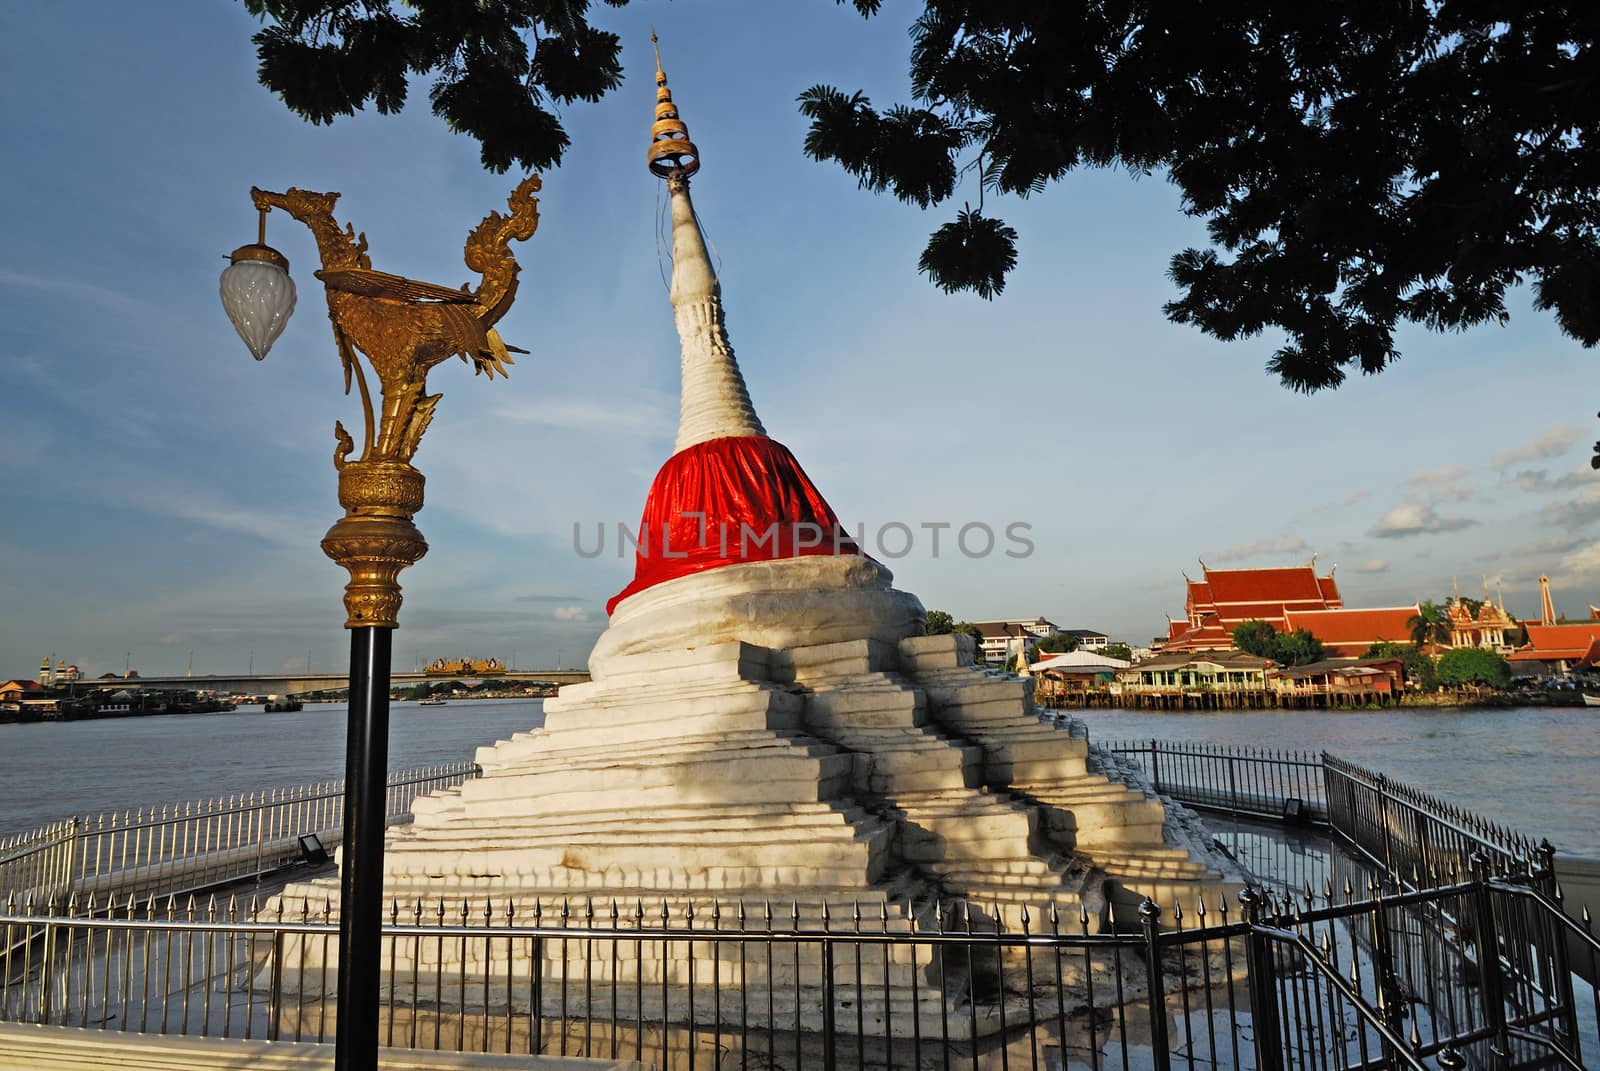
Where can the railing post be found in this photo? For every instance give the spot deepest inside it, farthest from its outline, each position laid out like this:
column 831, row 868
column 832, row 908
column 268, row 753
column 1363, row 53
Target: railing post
column 1383, row 823
column 829, row 1035
column 1391, row 1001
column 1491, row 979
column 1150, row 919
column 1557, row 939
column 1263, row 987
column 1233, row 786
column 1155, row 765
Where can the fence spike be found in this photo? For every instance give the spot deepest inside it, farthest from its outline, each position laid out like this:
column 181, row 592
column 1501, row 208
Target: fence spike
column 189, row 908
column 826, row 918
column 688, row 914
column 794, row 914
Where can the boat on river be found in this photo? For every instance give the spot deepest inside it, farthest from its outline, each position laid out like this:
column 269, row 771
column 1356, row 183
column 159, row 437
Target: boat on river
column 1591, row 699
column 431, row 703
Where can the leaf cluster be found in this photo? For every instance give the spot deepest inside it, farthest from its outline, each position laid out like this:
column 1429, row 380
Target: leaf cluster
column 1419, row 667
column 1297, row 648
column 1358, row 166
column 1474, row 665
column 499, row 66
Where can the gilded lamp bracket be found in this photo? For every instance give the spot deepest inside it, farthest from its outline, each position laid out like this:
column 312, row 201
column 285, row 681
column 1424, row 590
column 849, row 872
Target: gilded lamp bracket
column 402, row 327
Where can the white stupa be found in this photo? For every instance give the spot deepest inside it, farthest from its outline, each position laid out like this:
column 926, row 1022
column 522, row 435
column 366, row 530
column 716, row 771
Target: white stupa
column 767, row 721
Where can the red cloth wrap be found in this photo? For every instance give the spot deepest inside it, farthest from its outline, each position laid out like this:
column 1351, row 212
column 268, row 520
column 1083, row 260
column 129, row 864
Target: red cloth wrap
column 729, row 501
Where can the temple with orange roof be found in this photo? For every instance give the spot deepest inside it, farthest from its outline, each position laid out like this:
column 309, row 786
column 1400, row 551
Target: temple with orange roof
column 1562, row 645
column 1287, row 598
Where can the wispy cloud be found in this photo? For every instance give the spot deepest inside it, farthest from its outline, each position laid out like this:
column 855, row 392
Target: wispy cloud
column 1376, row 565
column 570, row 613
column 1579, row 511
column 75, row 290
column 1447, row 482
column 1539, row 480
column 618, row 415
column 1545, row 547
column 1259, row 548
column 1581, row 566
column 1552, row 443
column 539, row 596
column 1416, row 518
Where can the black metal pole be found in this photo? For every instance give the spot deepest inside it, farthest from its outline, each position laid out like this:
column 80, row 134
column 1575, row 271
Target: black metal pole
column 366, row 766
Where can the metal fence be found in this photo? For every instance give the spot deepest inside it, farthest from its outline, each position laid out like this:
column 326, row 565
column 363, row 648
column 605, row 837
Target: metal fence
column 1442, row 977
column 1419, row 838
column 172, row 849
column 1450, row 949
column 1366, row 983
column 1243, row 781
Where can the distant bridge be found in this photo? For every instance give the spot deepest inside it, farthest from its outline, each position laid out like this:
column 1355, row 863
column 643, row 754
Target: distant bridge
column 300, row 683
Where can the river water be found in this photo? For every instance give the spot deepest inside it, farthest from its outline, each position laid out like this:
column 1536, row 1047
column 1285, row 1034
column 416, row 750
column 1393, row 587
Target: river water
column 1536, row 769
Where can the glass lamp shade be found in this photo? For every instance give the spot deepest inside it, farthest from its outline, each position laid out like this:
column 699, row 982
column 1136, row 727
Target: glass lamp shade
column 258, row 296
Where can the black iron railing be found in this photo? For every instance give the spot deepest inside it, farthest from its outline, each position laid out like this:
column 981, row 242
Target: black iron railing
column 1439, row 942
column 1252, row 782
column 729, row 985
column 175, row 848
column 1416, row 836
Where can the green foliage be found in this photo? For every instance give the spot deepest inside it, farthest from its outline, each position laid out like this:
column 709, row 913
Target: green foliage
column 969, row 629
column 497, row 66
column 938, row 623
column 1357, row 168
column 1255, row 637
column 1116, row 650
column 973, row 253
column 1059, row 643
column 1430, row 625
column 1474, row 665
column 1297, row 648
column 1419, row 667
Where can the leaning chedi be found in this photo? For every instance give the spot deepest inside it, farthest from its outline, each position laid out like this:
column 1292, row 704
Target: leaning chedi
column 767, row 722
column 765, row 717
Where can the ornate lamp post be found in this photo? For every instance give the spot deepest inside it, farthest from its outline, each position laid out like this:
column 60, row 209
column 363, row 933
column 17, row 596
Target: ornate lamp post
column 403, row 328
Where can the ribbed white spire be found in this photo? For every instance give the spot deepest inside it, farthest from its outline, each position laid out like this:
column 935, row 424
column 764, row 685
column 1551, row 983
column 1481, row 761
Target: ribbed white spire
column 715, row 402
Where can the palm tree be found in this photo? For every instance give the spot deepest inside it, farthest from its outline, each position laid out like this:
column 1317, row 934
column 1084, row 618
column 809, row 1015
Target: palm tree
column 1430, row 624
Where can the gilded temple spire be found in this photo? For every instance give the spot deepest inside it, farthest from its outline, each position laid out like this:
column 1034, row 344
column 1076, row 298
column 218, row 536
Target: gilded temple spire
column 671, row 152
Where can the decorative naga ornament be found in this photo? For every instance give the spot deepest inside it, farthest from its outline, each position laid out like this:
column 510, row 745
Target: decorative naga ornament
column 402, row 328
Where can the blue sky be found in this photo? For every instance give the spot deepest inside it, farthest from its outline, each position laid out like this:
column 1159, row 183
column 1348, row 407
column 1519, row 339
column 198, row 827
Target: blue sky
column 165, row 493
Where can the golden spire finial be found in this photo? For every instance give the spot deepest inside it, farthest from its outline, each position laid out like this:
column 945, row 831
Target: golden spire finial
column 671, row 152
